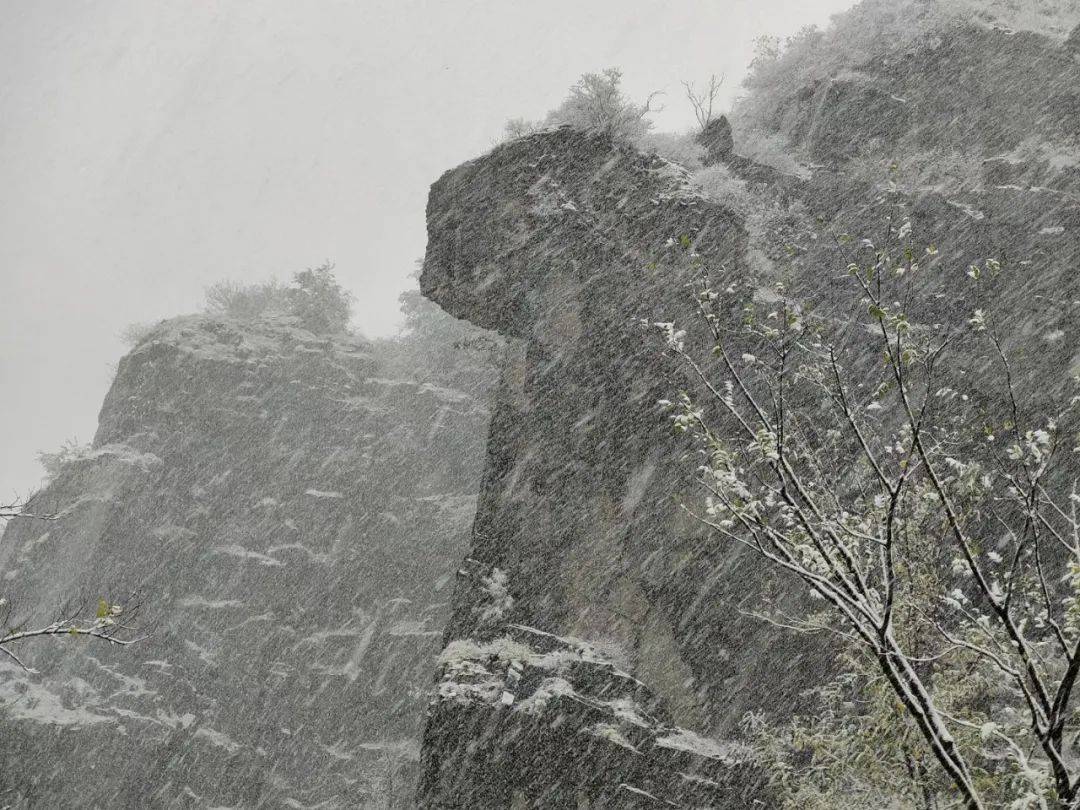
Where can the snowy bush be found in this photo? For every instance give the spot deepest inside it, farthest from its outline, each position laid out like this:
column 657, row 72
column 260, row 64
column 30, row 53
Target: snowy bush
column 769, row 149
column 134, row 333
column 321, row 304
column 247, row 301
column 54, row 463
column 719, row 184
column 519, row 128
column 681, row 149
column 596, row 104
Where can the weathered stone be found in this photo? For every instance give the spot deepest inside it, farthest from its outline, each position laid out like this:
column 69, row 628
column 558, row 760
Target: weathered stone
column 970, row 90
column 290, row 520
column 558, row 241
column 1072, row 43
column 552, row 723
column 717, row 139
column 849, row 113
column 564, row 243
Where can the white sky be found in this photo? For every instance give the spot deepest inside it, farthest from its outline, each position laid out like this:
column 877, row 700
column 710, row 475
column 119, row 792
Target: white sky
column 148, row 149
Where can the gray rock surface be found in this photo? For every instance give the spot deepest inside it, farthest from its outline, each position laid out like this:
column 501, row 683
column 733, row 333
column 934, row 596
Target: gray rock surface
column 717, row 139
column 1072, row 43
column 291, row 508
column 558, row 241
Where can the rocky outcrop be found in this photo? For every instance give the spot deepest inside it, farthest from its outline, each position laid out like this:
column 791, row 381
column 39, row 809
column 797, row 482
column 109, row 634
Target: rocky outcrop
column 561, row 242
column 553, row 722
column 1072, row 43
column 289, row 509
column 717, row 139
column 969, row 90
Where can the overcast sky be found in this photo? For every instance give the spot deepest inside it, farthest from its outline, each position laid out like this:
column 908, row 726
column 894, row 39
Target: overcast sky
column 149, row 148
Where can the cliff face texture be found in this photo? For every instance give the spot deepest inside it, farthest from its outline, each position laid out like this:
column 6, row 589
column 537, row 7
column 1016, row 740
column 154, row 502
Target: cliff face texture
column 299, row 514
column 558, row 241
column 597, row 655
column 291, row 509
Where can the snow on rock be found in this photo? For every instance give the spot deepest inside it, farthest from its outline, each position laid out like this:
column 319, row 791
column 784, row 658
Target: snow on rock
column 288, row 516
column 561, row 720
column 579, row 507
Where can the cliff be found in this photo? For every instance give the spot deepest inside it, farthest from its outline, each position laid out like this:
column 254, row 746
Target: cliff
column 289, row 509
column 560, row 242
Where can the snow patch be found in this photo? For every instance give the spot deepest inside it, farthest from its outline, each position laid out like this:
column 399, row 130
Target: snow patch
column 322, row 493
column 686, row 740
column 218, row 739
column 201, row 602
column 248, row 554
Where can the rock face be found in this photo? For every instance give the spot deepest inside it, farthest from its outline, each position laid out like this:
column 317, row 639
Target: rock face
column 717, row 139
column 560, row 242
column 291, row 509
column 974, row 91
column 1072, row 44
column 582, row 561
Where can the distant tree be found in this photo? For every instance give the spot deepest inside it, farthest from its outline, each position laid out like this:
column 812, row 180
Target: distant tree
column 933, row 524
column 247, row 301
column 596, row 104
column 440, row 347
column 519, row 128
column 322, row 305
column 315, row 298
column 702, row 102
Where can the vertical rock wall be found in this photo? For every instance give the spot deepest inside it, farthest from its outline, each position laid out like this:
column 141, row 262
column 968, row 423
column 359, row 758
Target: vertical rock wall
column 291, row 509
column 561, row 242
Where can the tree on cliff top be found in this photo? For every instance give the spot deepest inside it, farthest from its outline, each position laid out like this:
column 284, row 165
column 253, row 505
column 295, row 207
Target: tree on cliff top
column 322, row 305
column 597, row 104
column 932, row 521
column 315, row 297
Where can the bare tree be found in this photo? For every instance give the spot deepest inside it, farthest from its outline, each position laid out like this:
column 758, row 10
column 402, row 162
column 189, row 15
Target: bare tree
column 17, row 508
column 702, row 103
column 108, row 622
column 111, row 623
column 846, row 451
